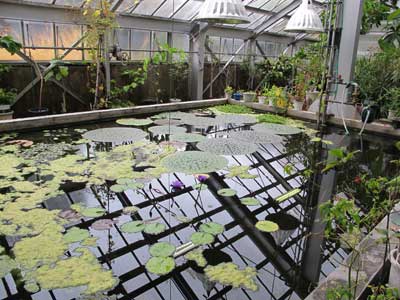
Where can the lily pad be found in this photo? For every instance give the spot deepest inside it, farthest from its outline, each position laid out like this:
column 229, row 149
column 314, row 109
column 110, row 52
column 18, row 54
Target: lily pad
column 31, row 287
column 154, row 228
column 223, row 146
column 177, row 115
column 236, row 119
column 227, row 192
column 130, row 210
column 167, row 122
column 201, row 122
column 93, row 212
column 160, row 265
column 187, row 137
column 250, row 201
column 76, row 235
column 256, row 137
column 194, row 162
column 104, row 224
column 201, row 238
column 267, row 226
column 69, row 214
column 133, row 227
column 7, row 264
column 163, row 130
column 276, row 129
column 162, row 249
column 200, row 186
column 212, row 228
column 134, row 122
column 116, row 135
column 118, row 188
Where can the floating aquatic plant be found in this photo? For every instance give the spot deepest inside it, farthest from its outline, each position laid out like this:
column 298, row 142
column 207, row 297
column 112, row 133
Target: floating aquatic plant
column 187, row 137
column 233, row 109
column 276, row 129
column 7, row 264
column 171, row 115
column 163, row 130
column 182, row 219
column 160, row 265
column 200, row 187
column 133, row 227
column 93, row 212
column 116, row 135
column 250, row 201
column 82, row 270
column 271, row 118
column 194, row 162
column 201, row 238
column 230, row 274
column 226, row 192
column 42, row 152
column 128, row 210
column 258, row 137
column 212, row 228
column 134, row 122
column 236, row 119
column 197, row 256
column 201, row 122
column 125, row 184
column 223, row 146
column 162, row 249
column 154, row 228
column 167, row 122
column 103, row 224
column 267, row 226
column 240, row 171
column 177, row 185
column 76, row 234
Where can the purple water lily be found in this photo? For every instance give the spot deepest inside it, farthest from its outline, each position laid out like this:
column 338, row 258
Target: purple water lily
column 202, row 177
column 177, row 185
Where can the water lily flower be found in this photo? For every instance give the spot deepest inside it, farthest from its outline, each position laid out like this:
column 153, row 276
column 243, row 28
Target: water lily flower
column 202, row 177
column 177, row 185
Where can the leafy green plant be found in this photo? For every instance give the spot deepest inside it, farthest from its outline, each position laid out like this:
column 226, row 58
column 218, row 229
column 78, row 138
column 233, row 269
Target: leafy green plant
column 233, row 109
column 7, row 96
column 7, row 42
column 228, row 90
column 271, row 118
column 393, row 100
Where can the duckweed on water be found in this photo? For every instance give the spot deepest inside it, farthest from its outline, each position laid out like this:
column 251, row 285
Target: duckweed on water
column 240, row 171
column 201, row 238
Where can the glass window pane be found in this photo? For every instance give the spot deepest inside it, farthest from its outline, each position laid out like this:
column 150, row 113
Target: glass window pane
column 39, row 34
column 226, row 48
column 11, row 28
column 140, row 40
column 67, row 35
column 159, row 38
column 168, row 8
column 147, row 7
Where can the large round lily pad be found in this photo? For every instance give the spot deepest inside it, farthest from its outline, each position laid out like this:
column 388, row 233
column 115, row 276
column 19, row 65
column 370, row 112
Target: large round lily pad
column 177, row 115
column 167, row 122
column 187, row 137
column 134, row 122
column 93, row 212
column 256, row 137
column 276, row 129
column 226, row 192
column 201, row 238
column 154, row 228
column 160, row 265
column 162, row 249
column 76, row 235
column 212, row 228
column 162, row 130
column 267, row 226
column 133, row 227
column 194, row 162
column 236, row 119
column 201, row 122
column 223, row 146
column 117, row 135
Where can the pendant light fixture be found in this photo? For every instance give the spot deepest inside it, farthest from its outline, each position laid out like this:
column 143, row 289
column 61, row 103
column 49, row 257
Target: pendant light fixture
column 305, row 19
column 223, row 11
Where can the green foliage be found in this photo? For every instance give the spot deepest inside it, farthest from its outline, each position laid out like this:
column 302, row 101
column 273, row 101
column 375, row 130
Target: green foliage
column 278, row 129
column 250, row 201
column 7, row 96
column 160, row 265
column 383, row 292
column 271, row 118
column 134, row 122
column 187, row 137
column 339, row 293
column 240, row 171
column 233, row 109
column 75, row 234
column 212, row 228
column 201, row 238
column 154, row 228
column 59, row 72
column 275, row 71
column 235, row 119
column 230, row 274
column 251, row 136
column 133, row 227
column 197, row 256
column 339, row 157
column 162, row 249
column 393, row 100
column 163, row 130
column 7, row 42
column 116, row 135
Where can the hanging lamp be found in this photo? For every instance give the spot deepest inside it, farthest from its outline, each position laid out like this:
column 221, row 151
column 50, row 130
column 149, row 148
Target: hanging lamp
column 223, row 11
column 305, row 19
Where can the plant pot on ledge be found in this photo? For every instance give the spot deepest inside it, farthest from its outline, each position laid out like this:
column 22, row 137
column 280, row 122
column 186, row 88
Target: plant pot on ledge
column 249, row 96
column 5, row 112
column 298, row 105
column 38, row 111
column 262, row 99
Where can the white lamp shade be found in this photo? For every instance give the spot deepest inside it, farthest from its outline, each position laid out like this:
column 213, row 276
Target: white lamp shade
column 223, row 11
column 305, row 20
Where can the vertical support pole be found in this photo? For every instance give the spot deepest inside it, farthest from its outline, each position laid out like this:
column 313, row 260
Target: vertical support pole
column 197, row 51
column 351, row 20
column 251, row 53
column 107, row 64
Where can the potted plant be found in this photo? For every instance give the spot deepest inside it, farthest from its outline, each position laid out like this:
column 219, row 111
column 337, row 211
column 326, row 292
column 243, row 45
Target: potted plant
column 228, row 92
column 393, row 99
column 249, row 96
column 6, row 99
column 298, row 96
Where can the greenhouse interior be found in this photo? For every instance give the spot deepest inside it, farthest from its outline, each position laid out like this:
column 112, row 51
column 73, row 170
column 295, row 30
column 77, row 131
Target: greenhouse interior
column 199, row 149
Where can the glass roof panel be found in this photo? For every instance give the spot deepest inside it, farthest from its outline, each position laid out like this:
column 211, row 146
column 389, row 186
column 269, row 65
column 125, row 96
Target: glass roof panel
column 147, row 7
column 168, row 8
column 75, row 3
column 189, row 11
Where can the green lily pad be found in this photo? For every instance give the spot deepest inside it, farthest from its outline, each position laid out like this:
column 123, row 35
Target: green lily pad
column 118, row 188
column 212, row 228
column 133, row 227
column 200, row 187
column 130, row 210
column 187, row 137
column 163, row 130
column 7, row 264
column 162, row 249
column 76, row 234
column 134, row 122
column 194, row 162
column 255, row 137
column 201, row 238
column 276, row 129
column 236, row 119
column 154, row 228
column 31, row 287
column 117, row 135
column 227, row 192
column 160, row 265
column 183, row 219
column 227, row 146
column 267, row 226
column 93, row 212
column 250, row 201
